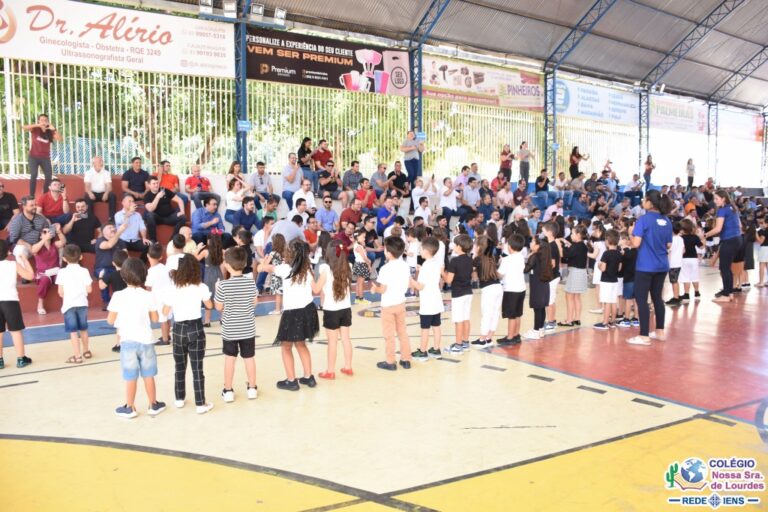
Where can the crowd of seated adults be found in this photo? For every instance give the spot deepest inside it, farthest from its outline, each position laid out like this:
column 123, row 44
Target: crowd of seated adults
column 372, row 207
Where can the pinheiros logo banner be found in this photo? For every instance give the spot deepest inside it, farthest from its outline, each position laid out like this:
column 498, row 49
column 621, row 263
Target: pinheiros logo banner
column 714, row 483
column 94, row 35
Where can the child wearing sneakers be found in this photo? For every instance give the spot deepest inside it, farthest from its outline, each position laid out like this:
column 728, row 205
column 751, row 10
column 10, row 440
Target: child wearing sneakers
column 628, row 262
column 184, row 299
column 512, row 272
column 235, row 299
column 75, row 284
column 158, row 281
column 693, row 241
column 131, row 311
column 491, row 292
column 676, row 251
column 362, row 268
column 540, row 268
column 577, row 253
column 430, row 299
column 610, row 264
column 10, row 309
column 550, row 230
column 412, row 252
column 392, row 284
column 458, row 275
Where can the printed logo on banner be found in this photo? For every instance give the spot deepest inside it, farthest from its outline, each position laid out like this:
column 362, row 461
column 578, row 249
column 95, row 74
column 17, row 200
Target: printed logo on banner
column 730, row 480
column 7, row 23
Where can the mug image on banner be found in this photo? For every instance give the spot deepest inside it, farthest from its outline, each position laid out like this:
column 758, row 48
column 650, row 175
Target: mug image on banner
column 380, row 81
column 397, row 67
column 350, row 81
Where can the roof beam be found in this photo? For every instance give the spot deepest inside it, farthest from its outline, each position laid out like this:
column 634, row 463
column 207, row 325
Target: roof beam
column 578, row 32
column 428, row 22
column 693, row 38
column 749, row 67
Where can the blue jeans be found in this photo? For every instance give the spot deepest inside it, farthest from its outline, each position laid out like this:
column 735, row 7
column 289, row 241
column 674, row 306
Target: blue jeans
column 183, row 197
column 105, row 292
column 60, row 219
column 267, row 196
column 288, row 196
column 229, row 216
column 199, row 197
column 647, row 178
column 262, row 278
column 413, row 166
column 312, row 176
column 76, row 319
column 373, row 256
column 448, row 213
column 137, row 359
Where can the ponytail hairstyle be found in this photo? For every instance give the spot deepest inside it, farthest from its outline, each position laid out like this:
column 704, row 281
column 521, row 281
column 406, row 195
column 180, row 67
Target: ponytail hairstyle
column 661, row 202
column 485, row 249
column 336, row 256
column 298, row 253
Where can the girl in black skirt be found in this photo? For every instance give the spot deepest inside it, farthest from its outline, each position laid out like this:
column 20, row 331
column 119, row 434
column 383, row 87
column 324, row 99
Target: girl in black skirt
column 299, row 321
column 540, row 267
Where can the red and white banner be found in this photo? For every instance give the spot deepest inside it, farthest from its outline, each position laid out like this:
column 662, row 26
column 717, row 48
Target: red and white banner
column 95, row 35
column 679, row 115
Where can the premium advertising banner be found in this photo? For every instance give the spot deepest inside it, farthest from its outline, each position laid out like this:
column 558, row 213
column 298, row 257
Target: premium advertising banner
column 597, row 103
column 301, row 59
column 683, row 116
column 455, row 80
column 95, row 35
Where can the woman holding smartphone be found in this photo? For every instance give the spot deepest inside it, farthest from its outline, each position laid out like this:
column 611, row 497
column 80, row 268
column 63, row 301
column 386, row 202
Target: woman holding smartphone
column 42, row 135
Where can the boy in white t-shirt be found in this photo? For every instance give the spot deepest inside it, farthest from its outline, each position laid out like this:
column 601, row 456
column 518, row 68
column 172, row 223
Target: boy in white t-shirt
column 131, row 311
column 75, row 284
column 676, row 251
column 512, row 270
column 430, row 300
column 392, row 285
column 158, row 280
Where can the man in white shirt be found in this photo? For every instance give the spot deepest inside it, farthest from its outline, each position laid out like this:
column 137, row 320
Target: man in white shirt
column 98, row 186
column 634, row 189
column 420, row 190
column 521, row 210
column 262, row 185
column 305, row 192
column 423, row 210
column 553, row 210
column 300, row 209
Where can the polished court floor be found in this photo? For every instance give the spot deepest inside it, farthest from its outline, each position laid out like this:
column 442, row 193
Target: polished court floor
column 577, row 421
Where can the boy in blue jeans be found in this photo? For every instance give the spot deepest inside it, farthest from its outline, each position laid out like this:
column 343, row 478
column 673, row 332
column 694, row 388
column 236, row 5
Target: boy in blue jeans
column 75, row 284
column 131, row 311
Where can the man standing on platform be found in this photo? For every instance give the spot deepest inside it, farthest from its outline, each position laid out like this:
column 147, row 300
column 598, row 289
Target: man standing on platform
column 98, row 186
column 83, row 229
column 199, row 188
column 412, row 150
column 135, row 179
column 164, row 207
column 135, row 234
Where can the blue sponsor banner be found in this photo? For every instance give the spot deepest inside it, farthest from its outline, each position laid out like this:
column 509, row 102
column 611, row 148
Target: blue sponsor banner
column 597, row 103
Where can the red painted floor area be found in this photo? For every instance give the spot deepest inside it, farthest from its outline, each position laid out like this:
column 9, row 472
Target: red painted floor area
column 715, row 356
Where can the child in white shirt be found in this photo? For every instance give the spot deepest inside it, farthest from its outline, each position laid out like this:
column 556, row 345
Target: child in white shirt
column 430, row 299
column 392, row 284
column 75, row 284
column 512, row 271
column 158, row 281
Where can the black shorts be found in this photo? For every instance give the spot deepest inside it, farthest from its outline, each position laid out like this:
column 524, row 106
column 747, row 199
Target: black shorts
column 334, row 319
column 10, row 315
column 428, row 321
column 512, row 304
column 674, row 275
column 246, row 347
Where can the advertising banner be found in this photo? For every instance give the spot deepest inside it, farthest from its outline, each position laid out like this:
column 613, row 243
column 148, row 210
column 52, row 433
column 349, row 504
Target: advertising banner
column 95, row 35
column 740, row 125
column 683, row 116
column 307, row 60
column 597, row 103
column 454, row 80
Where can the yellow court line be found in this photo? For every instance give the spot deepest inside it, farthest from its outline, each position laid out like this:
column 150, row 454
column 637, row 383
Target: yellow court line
column 626, row 475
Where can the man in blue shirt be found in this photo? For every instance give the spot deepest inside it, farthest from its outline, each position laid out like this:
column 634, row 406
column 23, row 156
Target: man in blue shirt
column 135, row 233
column 246, row 216
column 580, row 207
column 385, row 216
column 135, row 180
column 206, row 220
column 327, row 216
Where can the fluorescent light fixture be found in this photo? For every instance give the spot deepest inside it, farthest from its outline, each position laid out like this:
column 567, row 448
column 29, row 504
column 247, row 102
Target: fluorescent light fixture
column 661, row 89
column 230, row 8
column 257, row 9
column 206, row 6
column 280, row 15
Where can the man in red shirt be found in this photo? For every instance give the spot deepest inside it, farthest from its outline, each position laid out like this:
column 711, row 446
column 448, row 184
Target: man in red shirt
column 42, row 135
column 168, row 180
column 367, row 197
column 321, row 155
column 199, row 188
column 311, row 232
column 54, row 205
column 346, row 237
column 353, row 214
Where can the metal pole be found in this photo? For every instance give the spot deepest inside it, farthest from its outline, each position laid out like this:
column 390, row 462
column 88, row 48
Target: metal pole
column 9, row 114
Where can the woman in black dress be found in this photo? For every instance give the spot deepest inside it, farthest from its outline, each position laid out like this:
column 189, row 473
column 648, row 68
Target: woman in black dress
column 575, row 160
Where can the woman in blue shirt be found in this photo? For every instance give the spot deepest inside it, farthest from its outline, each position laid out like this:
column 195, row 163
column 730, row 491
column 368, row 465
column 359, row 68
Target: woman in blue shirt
column 728, row 226
column 652, row 236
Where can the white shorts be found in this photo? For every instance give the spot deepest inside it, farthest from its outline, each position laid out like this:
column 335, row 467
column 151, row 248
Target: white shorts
column 461, row 308
column 21, row 250
column 689, row 271
column 762, row 254
column 553, row 290
column 596, row 275
column 609, row 293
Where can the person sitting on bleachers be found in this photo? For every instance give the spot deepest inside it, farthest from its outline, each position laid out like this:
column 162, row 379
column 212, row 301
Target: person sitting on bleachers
column 163, row 206
column 269, row 210
column 47, row 263
column 135, row 235
column 199, row 188
column 170, row 181
column 305, row 193
column 521, row 192
column 301, row 209
column 98, row 186
column 134, row 181
column 82, row 229
column 107, row 245
column 261, row 183
column 25, row 229
column 9, row 206
column 53, row 205
column 351, row 180
column 331, row 184
column 634, row 189
column 246, row 217
column 207, row 220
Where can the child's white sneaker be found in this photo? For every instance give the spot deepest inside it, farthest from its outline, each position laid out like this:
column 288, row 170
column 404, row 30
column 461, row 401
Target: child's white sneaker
column 253, row 392
column 202, row 409
column 533, row 334
column 178, row 403
column 228, row 395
